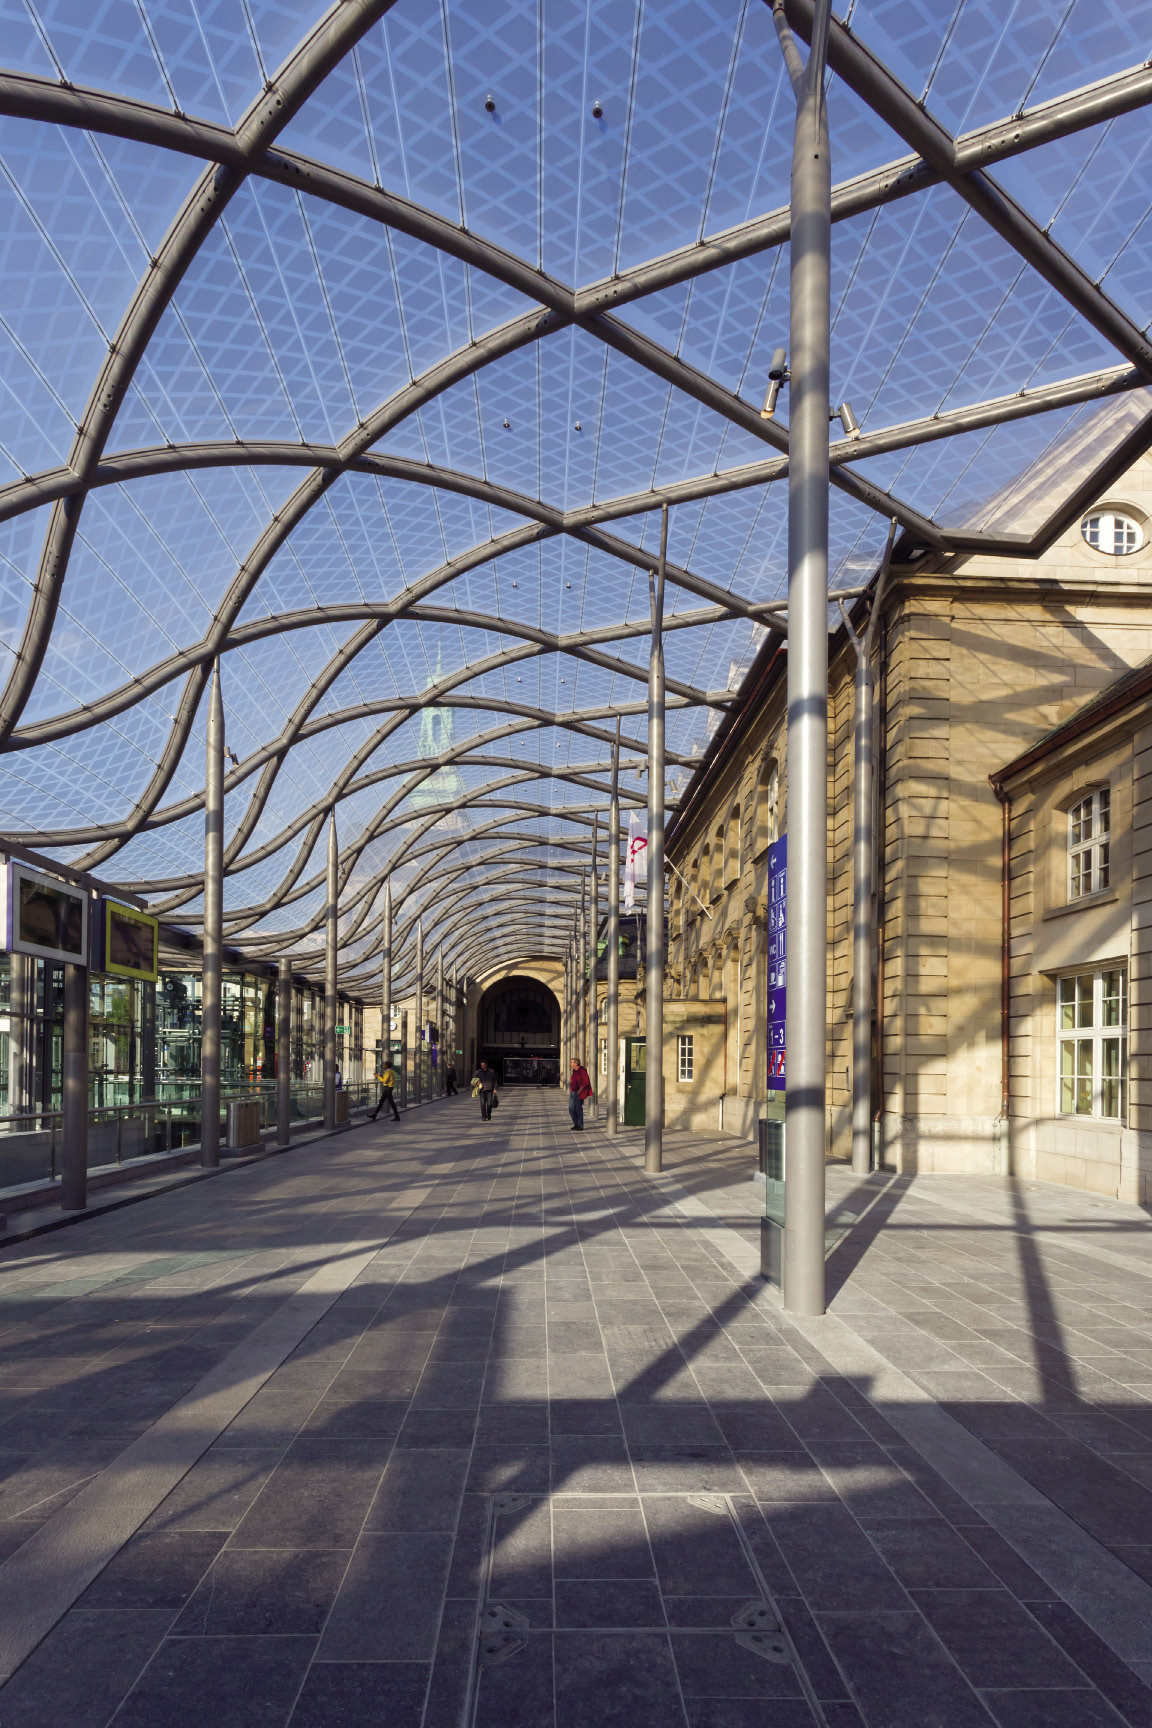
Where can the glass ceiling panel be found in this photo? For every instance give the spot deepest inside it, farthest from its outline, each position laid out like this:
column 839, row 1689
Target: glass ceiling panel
column 293, row 319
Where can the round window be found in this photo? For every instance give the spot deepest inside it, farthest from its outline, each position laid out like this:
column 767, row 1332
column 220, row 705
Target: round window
column 1109, row 531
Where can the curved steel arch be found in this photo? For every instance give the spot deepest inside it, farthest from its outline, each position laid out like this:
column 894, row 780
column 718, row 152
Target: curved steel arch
column 324, row 46
column 246, row 150
column 481, row 794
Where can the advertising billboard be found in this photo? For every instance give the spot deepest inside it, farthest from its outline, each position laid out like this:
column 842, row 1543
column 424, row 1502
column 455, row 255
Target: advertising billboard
column 43, row 917
column 128, row 944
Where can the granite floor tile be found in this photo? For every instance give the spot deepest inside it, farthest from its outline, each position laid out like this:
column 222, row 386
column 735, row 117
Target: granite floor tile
column 834, row 1564
column 1051, row 1709
column 253, row 1592
column 160, row 1569
column 245, row 1682
column 994, row 1640
column 899, row 1674
column 627, row 1680
column 83, row 1669
column 313, row 1499
column 362, row 1695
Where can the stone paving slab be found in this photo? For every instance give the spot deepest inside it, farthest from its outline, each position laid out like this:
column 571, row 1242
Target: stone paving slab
column 548, row 1452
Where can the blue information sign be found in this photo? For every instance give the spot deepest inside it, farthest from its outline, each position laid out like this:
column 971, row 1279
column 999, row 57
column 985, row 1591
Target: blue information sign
column 777, row 960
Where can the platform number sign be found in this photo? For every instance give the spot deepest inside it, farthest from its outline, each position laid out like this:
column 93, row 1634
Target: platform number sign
column 777, row 960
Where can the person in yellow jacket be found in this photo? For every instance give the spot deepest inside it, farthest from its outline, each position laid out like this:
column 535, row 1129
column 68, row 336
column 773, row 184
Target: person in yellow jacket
column 386, row 1080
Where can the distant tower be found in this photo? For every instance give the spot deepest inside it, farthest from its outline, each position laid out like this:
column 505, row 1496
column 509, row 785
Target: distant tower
column 436, row 735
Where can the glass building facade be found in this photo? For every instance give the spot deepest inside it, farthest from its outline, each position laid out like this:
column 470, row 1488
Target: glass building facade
column 144, row 1039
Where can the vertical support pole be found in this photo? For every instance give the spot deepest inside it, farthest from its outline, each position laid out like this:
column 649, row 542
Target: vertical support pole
column 19, row 1038
column 566, row 1017
column 807, row 916
column 585, row 1001
column 147, row 1041
column 211, row 976
column 330, row 933
column 284, row 1053
column 386, row 979
column 418, row 1035
column 441, row 1017
column 654, row 998
column 404, row 1059
column 74, row 1054
column 612, row 994
column 593, row 962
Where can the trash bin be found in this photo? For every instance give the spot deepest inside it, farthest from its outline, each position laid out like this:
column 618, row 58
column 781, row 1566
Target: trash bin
column 243, row 1123
column 341, row 1106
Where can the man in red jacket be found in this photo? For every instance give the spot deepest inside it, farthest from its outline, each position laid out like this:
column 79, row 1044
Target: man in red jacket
column 579, row 1088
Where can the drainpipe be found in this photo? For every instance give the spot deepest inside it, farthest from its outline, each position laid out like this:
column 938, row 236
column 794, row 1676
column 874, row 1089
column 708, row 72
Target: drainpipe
column 881, row 895
column 863, row 872
column 1002, row 1130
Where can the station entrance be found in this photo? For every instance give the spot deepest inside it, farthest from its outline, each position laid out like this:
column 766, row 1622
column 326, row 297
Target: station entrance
column 518, row 1032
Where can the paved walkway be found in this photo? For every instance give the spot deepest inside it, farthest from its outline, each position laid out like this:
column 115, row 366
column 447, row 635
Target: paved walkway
column 449, row 1424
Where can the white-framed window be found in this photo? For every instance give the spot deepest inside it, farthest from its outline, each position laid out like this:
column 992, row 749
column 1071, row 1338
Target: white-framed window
column 1112, row 532
column 685, row 1055
column 603, row 1055
column 1092, row 1029
column 1089, row 844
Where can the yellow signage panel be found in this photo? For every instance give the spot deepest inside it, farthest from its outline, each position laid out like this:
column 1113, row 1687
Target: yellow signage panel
column 130, row 942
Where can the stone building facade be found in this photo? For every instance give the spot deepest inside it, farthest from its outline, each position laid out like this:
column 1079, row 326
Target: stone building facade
column 978, row 658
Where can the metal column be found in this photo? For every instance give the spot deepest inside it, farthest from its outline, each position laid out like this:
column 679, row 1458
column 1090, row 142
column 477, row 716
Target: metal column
column 330, row 933
column 441, row 1018
column 211, row 966
column 566, row 1017
column 654, row 995
column 284, row 1053
column 404, row 1059
column 418, row 1035
column 21, row 1002
column 386, row 981
column 593, row 946
column 806, row 930
column 612, row 994
column 74, row 1062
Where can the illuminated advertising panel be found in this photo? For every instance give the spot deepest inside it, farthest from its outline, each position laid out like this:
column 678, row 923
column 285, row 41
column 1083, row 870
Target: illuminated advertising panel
column 129, row 942
column 43, row 917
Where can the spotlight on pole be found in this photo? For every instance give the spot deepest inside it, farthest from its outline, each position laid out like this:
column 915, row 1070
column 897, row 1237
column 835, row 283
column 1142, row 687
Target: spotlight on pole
column 848, row 420
column 777, row 376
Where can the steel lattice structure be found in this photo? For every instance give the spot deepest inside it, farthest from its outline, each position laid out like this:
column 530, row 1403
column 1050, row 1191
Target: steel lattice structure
column 274, row 288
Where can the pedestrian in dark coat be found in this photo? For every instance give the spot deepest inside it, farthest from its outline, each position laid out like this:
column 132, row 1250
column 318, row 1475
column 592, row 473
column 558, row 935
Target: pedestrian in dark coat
column 579, row 1088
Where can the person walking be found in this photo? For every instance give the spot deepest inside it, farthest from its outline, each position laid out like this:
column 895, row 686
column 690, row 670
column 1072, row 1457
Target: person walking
column 579, row 1088
column 386, row 1080
column 484, row 1083
column 450, row 1080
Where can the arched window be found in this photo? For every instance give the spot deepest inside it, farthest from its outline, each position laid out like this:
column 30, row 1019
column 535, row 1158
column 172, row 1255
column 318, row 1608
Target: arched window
column 732, row 850
column 768, row 812
column 716, row 885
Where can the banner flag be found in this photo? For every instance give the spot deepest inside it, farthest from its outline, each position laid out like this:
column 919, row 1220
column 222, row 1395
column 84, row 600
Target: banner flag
column 637, row 847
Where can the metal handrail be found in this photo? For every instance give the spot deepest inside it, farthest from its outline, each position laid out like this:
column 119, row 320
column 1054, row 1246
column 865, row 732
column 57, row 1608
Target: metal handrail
column 166, row 1125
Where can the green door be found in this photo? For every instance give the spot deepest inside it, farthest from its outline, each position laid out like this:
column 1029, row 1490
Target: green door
column 634, row 1065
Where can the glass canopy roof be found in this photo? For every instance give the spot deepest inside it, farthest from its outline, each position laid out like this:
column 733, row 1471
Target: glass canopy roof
column 361, row 348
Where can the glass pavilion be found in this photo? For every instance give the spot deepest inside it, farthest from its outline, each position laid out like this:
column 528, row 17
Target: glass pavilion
column 359, row 349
